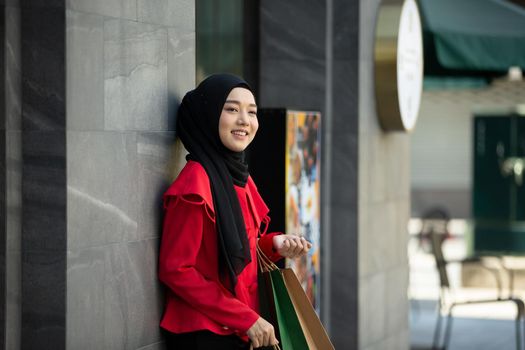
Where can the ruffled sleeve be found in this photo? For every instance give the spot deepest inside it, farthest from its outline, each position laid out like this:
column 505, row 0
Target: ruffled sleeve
column 262, row 220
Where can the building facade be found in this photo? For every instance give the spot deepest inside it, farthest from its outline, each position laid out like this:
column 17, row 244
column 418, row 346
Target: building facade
column 87, row 148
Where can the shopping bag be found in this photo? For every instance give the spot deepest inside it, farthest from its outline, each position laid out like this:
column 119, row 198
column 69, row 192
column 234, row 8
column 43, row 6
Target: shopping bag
column 288, row 290
column 313, row 329
column 266, row 300
column 289, row 330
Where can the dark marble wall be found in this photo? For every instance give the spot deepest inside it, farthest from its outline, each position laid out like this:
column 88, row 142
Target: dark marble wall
column 292, row 54
column 12, row 172
column 3, row 214
column 308, row 61
column 342, row 202
column 44, row 233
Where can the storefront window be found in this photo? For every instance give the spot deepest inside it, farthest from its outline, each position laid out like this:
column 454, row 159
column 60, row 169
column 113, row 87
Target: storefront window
column 219, row 30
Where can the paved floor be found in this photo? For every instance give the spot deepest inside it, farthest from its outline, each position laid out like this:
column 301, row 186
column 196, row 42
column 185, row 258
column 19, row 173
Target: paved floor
column 467, row 333
column 477, row 327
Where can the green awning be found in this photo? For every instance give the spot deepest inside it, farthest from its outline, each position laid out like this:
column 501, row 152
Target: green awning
column 472, row 37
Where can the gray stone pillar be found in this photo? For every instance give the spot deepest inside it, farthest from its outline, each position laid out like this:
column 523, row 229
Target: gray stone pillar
column 101, row 81
column 308, row 61
column 10, row 176
column 44, row 233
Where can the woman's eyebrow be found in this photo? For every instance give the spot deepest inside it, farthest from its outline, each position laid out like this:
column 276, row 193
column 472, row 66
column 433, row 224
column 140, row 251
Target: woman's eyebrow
column 238, row 103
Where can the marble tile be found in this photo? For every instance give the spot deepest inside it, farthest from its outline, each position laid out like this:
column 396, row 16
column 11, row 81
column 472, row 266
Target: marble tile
column 344, row 170
column 345, row 96
column 403, row 340
column 43, row 240
column 344, row 277
column 397, row 306
column 13, row 305
column 181, row 69
column 345, row 26
column 13, row 238
column 38, row 4
column 44, row 190
column 101, row 189
column 111, row 8
column 135, row 72
column 43, row 299
column 155, row 159
column 364, row 265
column 367, row 19
column 155, row 346
column 179, row 14
column 372, row 318
column 85, row 71
column 85, row 298
column 13, row 173
column 133, row 296
column 366, row 98
column 402, row 208
column 11, row 3
column 13, row 74
column 380, row 237
column 363, row 173
column 398, row 165
column 377, row 169
column 43, row 59
column 292, row 31
column 306, row 91
column 3, row 260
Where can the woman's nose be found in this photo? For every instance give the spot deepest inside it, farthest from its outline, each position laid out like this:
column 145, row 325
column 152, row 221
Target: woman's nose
column 243, row 118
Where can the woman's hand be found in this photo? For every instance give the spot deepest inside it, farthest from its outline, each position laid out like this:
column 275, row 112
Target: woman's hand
column 291, row 246
column 262, row 334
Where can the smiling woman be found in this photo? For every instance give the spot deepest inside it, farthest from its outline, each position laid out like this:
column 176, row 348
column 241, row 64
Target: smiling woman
column 212, row 225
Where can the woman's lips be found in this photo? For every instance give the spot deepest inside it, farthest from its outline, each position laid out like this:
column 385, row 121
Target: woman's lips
column 240, row 132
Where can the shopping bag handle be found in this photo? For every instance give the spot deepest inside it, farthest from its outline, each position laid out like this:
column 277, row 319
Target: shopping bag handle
column 275, row 347
column 265, row 264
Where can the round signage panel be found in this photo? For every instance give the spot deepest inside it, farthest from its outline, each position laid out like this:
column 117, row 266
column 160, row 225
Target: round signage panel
column 398, row 65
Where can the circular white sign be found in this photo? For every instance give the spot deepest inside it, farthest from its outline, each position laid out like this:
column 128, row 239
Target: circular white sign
column 409, row 64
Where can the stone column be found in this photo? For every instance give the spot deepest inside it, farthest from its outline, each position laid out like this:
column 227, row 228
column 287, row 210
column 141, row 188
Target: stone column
column 308, row 61
column 10, row 176
column 128, row 65
column 93, row 137
column 44, row 235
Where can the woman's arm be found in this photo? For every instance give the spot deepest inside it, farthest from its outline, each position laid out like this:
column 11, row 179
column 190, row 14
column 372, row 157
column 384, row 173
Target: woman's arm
column 182, row 236
column 277, row 246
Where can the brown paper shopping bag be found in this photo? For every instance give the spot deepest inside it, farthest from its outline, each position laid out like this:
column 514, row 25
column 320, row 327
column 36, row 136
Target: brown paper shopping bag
column 313, row 329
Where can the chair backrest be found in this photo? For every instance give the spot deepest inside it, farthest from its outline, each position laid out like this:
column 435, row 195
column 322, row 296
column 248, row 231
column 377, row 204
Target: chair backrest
column 435, row 226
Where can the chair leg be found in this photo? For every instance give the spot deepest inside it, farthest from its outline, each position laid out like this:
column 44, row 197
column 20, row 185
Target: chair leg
column 520, row 308
column 448, row 329
column 518, row 331
column 437, row 331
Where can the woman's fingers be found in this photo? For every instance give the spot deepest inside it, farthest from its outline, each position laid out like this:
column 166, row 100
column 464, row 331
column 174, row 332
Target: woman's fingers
column 292, row 246
column 262, row 333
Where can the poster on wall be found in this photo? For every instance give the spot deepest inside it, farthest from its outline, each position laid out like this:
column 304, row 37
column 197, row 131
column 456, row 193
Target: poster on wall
column 303, row 195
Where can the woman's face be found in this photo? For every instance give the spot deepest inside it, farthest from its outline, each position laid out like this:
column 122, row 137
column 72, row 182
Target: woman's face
column 238, row 121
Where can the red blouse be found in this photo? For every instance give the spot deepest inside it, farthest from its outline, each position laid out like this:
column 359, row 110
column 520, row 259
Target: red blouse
column 196, row 299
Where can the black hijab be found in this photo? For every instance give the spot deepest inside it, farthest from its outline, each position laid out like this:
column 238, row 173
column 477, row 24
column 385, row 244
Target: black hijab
column 198, row 129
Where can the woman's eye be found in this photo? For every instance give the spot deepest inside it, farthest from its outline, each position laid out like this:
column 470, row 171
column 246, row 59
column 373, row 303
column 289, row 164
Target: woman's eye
column 231, row 109
column 253, row 113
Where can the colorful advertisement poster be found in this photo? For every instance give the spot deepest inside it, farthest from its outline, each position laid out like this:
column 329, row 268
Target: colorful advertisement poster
column 303, row 195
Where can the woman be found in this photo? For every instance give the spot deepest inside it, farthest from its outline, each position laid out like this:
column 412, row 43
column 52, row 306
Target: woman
column 213, row 216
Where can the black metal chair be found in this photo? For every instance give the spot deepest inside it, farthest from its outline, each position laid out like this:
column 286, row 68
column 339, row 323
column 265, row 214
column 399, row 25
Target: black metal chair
column 434, row 226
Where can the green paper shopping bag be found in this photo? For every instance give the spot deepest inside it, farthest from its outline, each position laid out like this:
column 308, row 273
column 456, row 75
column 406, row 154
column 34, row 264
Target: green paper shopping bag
column 281, row 309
